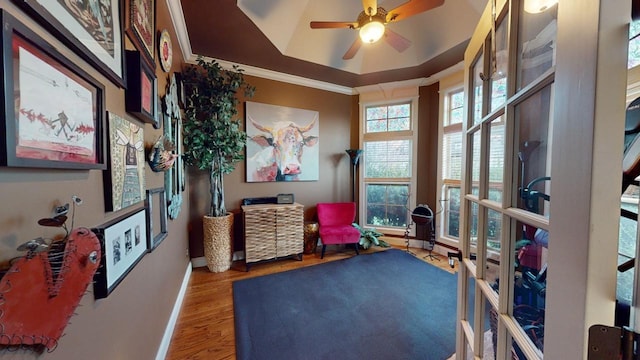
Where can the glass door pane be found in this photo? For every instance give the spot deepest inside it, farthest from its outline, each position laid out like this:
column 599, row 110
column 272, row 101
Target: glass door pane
column 493, row 242
column 533, row 146
column 496, row 158
column 498, row 86
column 627, row 244
column 530, row 280
column 536, row 45
column 473, row 230
column 474, row 143
column 477, row 82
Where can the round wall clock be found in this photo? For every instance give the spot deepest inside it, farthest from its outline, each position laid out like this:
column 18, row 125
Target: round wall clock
column 165, row 51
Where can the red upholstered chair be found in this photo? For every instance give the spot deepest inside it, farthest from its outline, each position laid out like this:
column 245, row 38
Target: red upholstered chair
column 335, row 227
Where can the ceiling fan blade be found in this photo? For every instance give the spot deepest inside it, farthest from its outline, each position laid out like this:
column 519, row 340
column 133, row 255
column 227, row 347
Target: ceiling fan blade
column 396, row 40
column 353, row 49
column 332, row 25
column 370, row 4
column 412, row 7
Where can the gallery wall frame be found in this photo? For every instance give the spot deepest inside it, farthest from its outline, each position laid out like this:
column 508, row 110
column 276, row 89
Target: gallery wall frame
column 124, row 243
column 53, row 110
column 141, row 27
column 124, row 180
column 180, row 90
column 174, row 178
column 156, row 205
column 142, row 88
column 293, row 132
column 96, row 35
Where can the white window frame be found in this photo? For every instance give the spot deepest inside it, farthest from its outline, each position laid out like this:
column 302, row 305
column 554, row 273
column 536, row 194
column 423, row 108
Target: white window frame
column 451, row 84
column 405, row 95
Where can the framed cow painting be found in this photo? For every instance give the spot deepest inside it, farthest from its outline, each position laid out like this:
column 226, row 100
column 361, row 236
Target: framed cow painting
column 283, row 143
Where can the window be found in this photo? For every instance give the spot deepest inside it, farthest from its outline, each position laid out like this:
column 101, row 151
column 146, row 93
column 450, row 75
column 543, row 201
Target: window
column 451, row 162
column 388, row 164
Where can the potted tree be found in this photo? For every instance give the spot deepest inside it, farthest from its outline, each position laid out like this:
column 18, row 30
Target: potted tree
column 214, row 141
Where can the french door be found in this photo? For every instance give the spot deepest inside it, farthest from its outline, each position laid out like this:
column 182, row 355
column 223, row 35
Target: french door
column 513, row 137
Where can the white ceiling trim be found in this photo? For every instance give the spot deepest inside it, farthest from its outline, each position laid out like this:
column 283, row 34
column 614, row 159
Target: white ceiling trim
column 180, row 27
column 278, row 76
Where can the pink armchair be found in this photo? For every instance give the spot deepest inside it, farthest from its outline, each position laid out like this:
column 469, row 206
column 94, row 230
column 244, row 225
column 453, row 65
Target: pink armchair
column 335, row 221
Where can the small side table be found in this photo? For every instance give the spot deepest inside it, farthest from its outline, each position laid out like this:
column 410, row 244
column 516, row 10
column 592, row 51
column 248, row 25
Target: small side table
column 310, row 237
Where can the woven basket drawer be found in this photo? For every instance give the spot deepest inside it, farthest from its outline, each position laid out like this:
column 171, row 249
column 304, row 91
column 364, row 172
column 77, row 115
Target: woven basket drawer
column 260, row 235
column 290, row 231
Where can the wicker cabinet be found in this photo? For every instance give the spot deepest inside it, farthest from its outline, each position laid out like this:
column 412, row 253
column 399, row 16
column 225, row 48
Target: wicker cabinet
column 273, row 231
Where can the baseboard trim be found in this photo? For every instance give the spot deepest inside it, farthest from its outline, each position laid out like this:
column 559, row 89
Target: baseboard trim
column 171, row 324
column 202, row 261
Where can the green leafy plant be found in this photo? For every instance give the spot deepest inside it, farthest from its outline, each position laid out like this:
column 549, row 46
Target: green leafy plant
column 369, row 237
column 213, row 138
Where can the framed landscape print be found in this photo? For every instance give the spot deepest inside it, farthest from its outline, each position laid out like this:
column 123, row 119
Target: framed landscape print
column 124, row 181
column 53, row 110
column 141, row 27
column 293, row 131
column 124, row 243
column 93, row 32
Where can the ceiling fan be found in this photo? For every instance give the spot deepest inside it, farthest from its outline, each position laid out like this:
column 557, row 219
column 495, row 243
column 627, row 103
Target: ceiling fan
column 373, row 20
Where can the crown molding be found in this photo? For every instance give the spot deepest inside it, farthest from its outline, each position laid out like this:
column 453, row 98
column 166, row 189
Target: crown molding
column 278, row 76
column 389, row 88
column 180, row 27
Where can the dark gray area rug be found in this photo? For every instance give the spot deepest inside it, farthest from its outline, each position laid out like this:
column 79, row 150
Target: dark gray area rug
column 384, row 305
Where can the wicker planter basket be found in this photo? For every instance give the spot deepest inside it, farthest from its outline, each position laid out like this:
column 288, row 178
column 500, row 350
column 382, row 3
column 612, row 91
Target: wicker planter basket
column 217, row 242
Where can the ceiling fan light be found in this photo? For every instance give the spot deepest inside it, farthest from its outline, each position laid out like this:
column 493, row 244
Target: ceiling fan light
column 538, row 6
column 371, row 32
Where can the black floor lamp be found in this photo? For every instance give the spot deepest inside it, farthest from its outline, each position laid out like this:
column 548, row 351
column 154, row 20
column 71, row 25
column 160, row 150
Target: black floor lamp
column 354, row 155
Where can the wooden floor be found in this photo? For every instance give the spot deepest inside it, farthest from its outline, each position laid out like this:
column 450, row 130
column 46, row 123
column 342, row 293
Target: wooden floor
column 205, row 328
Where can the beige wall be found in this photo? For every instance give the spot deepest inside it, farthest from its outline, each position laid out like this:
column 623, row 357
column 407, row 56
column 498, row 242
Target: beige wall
column 336, row 116
column 130, row 322
column 338, row 121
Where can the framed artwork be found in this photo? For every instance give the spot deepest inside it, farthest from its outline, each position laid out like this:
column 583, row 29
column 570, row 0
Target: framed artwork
column 174, row 178
column 141, row 28
column 94, row 32
column 294, row 131
column 156, row 205
column 141, row 94
column 124, row 180
column 53, row 110
column 124, row 243
column 180, row 90
column 159, row 118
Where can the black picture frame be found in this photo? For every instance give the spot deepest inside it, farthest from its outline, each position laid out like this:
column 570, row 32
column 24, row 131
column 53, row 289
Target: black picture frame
column 141, row 27
column 123, row 242
column 106, row 53
column 142, row 88
column 156, row 220
column 180, row 90
column 56, row 120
